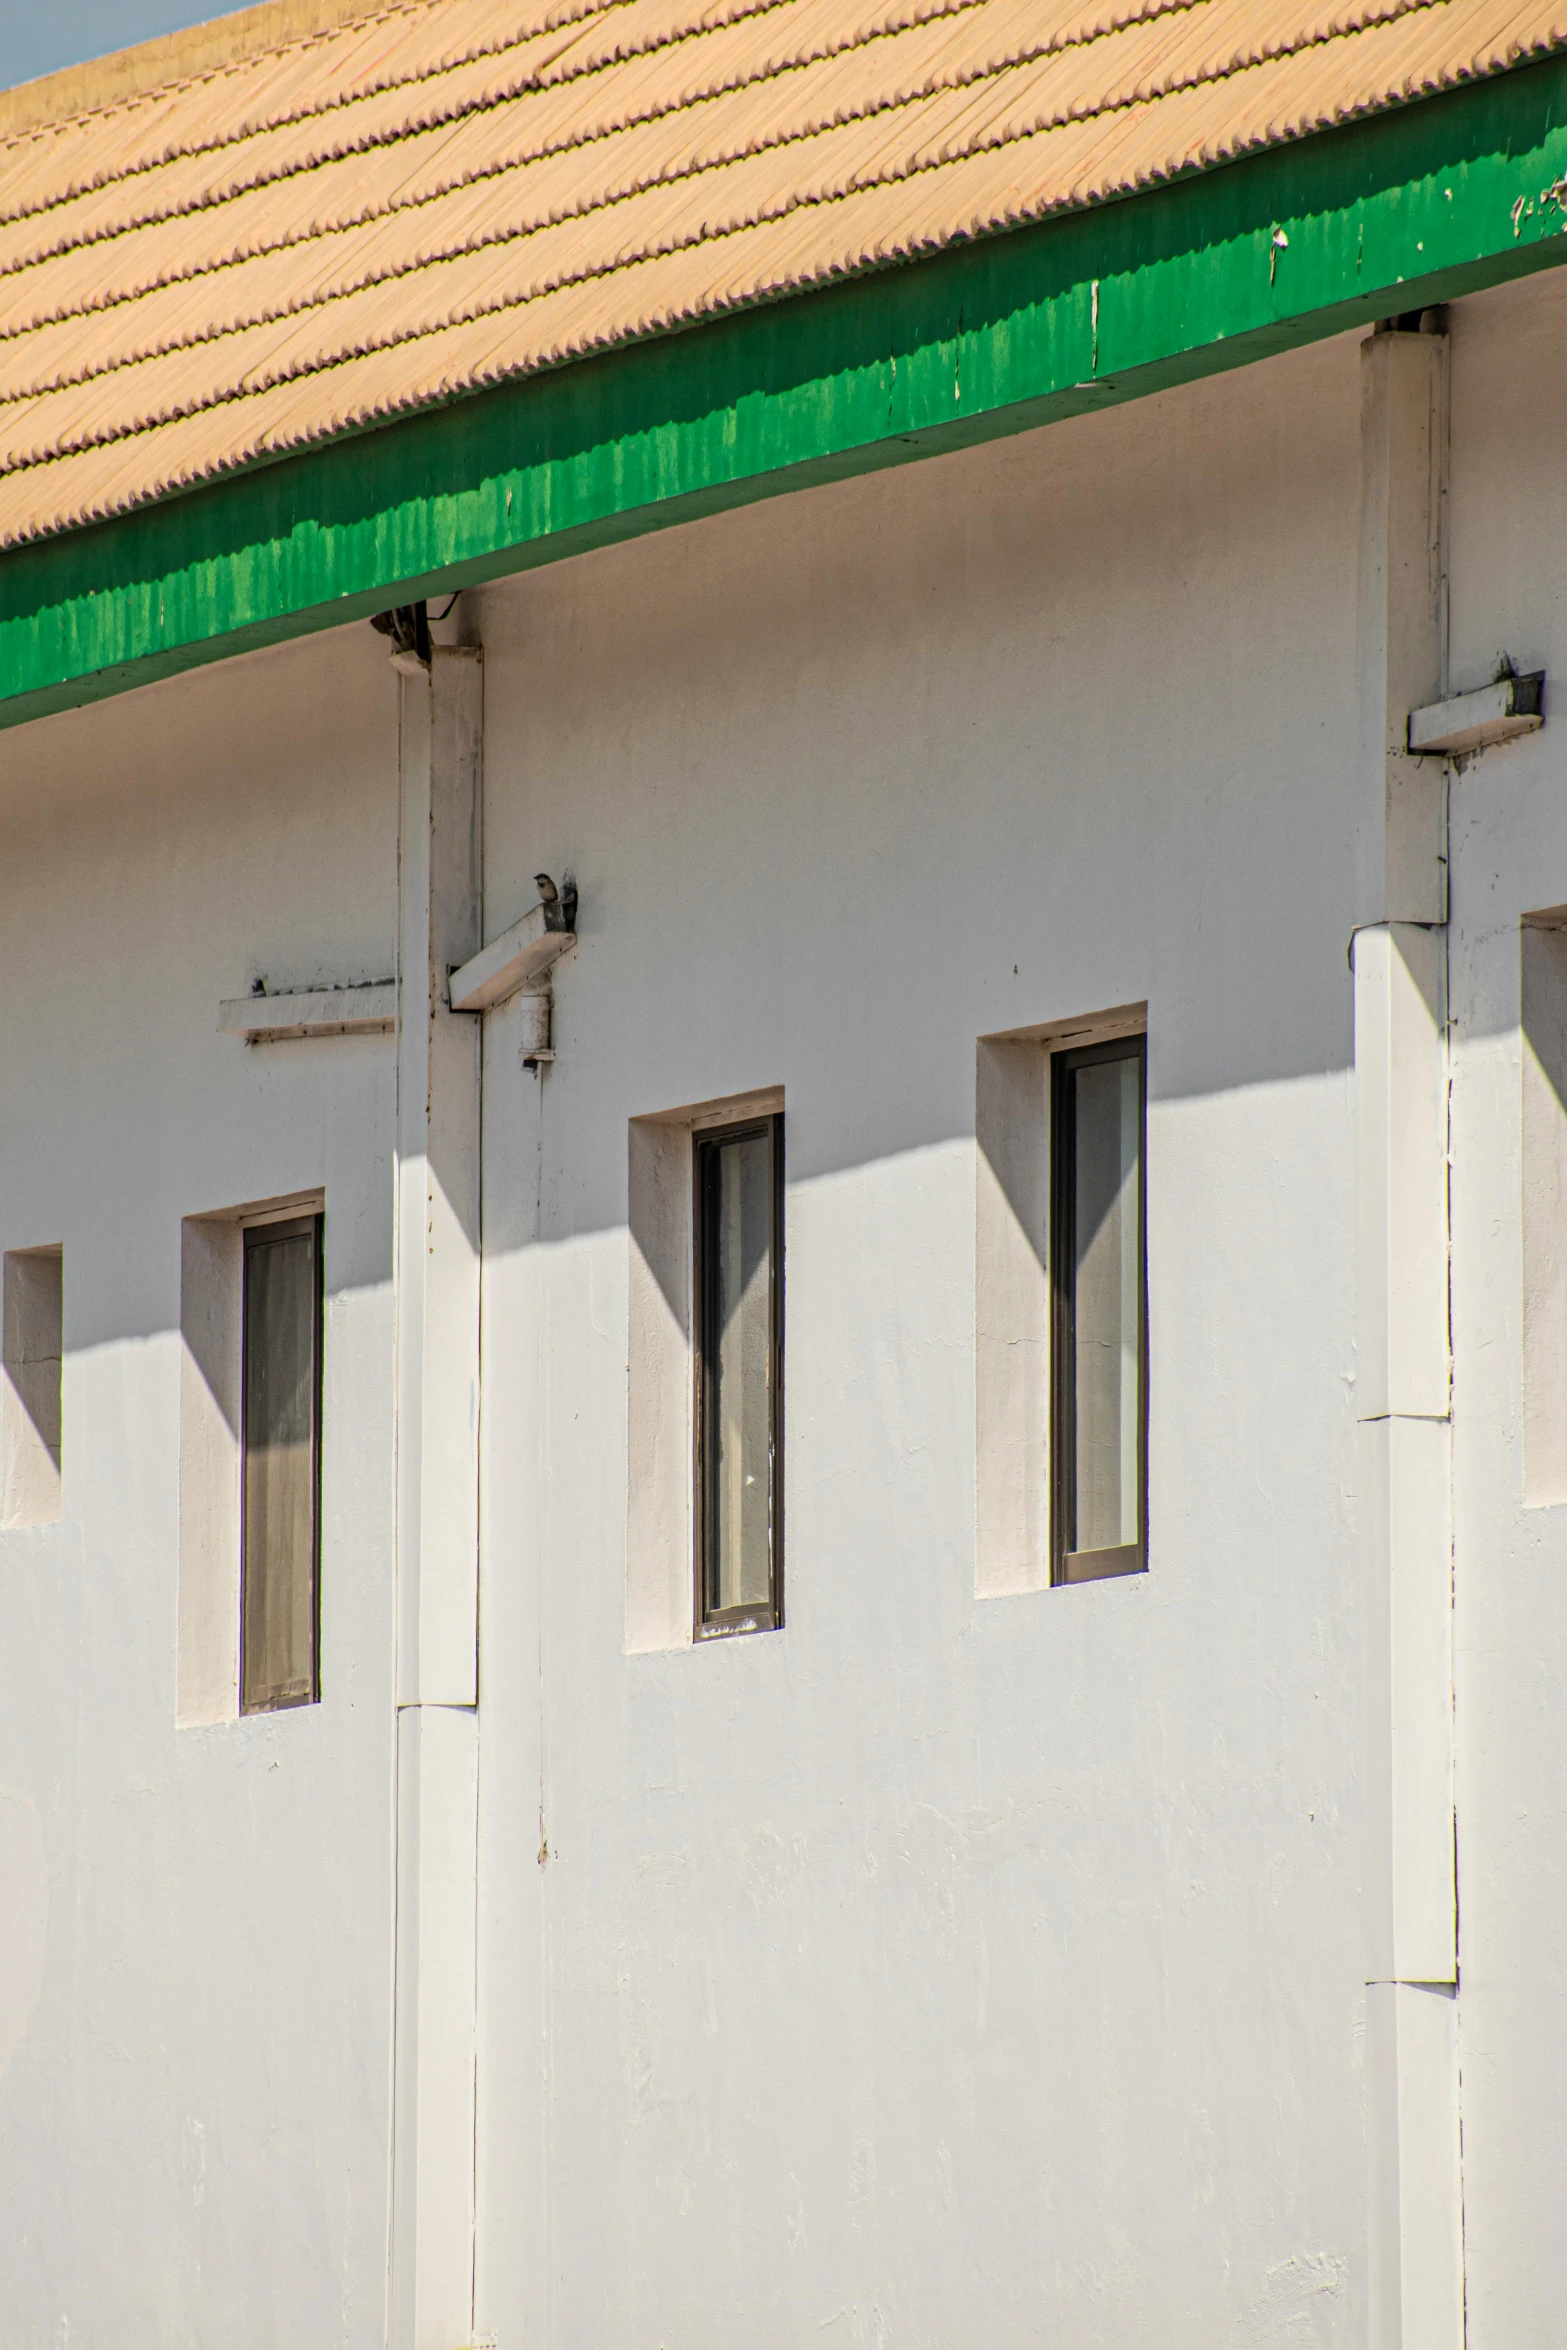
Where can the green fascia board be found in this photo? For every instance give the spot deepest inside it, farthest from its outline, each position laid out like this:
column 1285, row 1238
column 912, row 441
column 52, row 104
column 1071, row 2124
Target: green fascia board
column 1418, row 205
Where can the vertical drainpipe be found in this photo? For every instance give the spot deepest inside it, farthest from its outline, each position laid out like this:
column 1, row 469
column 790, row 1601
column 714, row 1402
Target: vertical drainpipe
column 1403, row 1359
column 436, row 1286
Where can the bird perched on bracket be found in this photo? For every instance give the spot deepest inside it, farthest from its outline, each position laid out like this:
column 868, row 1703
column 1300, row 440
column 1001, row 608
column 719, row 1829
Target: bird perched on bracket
column 560, row 905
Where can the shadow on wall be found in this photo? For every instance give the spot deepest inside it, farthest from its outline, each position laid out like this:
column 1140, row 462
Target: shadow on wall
column 30, row 1386
column 600, row 1145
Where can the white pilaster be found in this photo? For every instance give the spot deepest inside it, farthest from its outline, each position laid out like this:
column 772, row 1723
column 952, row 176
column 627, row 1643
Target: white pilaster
column 1400, row 960
column 1416, row 2232
column 437, row 1209
column 433, row 2145
column 1403, row 625
column 1401, row 1153
column 1407, row 1768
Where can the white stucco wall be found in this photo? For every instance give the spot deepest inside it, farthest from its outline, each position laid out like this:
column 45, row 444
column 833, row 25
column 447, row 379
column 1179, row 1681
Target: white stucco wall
column 195, row 1948
column 937, row 1970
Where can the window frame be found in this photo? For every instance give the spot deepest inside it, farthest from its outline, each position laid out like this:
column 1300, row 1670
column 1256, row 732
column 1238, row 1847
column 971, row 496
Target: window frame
column 1064, row 1064
column 710, row 1623
column 259, row 1233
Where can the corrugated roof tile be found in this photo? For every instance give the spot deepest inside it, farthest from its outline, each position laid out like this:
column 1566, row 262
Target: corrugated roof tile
column 438, row 194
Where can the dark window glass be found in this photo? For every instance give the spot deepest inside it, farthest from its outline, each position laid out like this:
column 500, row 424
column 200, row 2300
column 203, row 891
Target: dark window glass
column 282, row 1464
column 738, row 1176
column 1099, row 1370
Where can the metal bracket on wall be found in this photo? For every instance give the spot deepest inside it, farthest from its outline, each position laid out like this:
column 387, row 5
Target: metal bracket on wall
column 521, row 957
column 1496, row 713
column 360, row 1010
column 520, row 962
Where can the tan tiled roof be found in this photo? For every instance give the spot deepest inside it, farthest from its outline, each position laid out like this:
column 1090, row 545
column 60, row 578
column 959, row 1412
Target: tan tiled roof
column 327, row 226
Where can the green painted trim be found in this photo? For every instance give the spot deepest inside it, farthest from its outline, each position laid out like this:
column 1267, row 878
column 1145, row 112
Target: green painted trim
column 1417, row 205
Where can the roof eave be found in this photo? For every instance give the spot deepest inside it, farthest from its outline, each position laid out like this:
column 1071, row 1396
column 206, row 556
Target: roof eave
column 1414, row 206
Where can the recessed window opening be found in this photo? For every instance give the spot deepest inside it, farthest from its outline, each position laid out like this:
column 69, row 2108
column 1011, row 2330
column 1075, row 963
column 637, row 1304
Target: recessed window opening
column 1099, row 1369
column 34, row 1318
column 738, row 1194
column 281, row 1469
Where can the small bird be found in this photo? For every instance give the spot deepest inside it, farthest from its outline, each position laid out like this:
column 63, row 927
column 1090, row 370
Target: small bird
column 560, row 912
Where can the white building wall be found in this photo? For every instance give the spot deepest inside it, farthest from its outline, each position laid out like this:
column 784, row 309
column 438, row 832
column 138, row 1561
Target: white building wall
column 195, row 1925
column 937, row 1970
column 1509, row 850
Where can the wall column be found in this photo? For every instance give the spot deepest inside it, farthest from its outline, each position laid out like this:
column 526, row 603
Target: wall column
column 437, row 1315
column 1404, row 1407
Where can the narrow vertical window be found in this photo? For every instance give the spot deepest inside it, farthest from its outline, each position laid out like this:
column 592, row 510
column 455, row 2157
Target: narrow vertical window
column 1099, row 1369
column 281, row 1483
column 738, row 1174
column 34, row 1317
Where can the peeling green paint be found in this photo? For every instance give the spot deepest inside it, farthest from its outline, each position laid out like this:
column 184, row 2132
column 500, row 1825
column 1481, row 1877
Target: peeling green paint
column 1419, row 205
